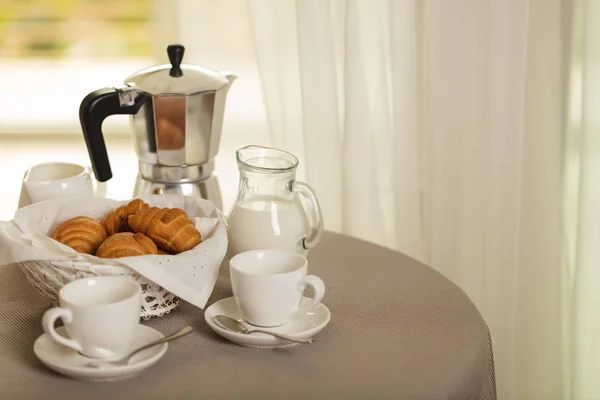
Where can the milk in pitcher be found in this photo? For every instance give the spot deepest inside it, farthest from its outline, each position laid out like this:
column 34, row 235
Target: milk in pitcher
column 267, row 222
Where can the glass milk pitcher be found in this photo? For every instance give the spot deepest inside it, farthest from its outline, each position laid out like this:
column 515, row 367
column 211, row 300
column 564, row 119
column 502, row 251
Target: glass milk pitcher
column 268, row 212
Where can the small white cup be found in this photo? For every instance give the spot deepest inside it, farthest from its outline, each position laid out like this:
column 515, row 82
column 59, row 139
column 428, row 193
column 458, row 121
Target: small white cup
column 268, row 286
column 100, row 314
column 58, row 180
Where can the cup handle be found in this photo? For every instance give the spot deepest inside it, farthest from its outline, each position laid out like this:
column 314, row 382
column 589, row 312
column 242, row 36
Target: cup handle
column 319, row 288
column 48, row 321
column 100, row 187
column 314, row 211
column 100, row 190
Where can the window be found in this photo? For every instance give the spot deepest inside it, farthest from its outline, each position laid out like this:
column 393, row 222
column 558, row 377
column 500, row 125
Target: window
column 54, row 52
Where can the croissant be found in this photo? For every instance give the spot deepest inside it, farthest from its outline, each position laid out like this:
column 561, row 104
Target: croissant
column 169, row 228
column 116, row 221
column 126, row 244
column 82, row 234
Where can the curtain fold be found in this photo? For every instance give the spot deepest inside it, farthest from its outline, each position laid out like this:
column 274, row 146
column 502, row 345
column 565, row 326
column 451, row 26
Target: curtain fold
column 538, row 359
column 583, row 200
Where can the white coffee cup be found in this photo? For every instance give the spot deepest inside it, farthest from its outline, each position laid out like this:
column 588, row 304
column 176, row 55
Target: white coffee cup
column 100, row 314
column 58, row 180
column 268, row 286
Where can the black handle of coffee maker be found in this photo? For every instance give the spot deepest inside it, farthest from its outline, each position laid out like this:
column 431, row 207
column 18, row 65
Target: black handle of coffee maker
column 93, row 110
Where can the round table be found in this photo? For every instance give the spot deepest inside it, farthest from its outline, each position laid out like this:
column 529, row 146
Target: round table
column 398, row 330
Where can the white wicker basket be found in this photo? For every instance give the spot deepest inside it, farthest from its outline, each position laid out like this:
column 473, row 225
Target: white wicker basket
column 49, row 265
column 48, row 277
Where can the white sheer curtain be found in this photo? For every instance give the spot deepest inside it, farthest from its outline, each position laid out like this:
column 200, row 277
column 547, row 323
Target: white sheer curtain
column 443, row 129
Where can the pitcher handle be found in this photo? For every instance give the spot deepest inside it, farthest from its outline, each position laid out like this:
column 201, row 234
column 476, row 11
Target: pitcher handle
column 315, row 214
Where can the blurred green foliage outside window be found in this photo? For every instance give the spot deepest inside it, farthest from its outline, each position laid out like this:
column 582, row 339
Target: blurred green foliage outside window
column 58, row 29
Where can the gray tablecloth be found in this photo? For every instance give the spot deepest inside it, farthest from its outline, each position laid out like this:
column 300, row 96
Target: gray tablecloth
column 399, row 330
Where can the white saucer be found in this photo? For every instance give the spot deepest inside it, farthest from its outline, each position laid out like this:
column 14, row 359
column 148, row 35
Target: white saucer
column 302, row 327
column 72, row 364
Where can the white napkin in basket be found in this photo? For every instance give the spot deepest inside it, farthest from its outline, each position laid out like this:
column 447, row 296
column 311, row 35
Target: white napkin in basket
column 190, row 275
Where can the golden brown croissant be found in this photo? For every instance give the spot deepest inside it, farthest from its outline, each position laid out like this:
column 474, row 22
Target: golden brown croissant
column 116, row 221
column 126, row 244
column 169, row 228
column 82, row 234
column 139, row 221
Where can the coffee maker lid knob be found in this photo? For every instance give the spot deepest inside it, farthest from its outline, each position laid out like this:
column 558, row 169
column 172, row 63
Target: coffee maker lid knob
column 175, row 52
column 176, row 78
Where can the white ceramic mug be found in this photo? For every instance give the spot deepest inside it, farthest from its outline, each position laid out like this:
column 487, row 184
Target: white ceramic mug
column 268, row 286
column 58, row 180
column 100, row 314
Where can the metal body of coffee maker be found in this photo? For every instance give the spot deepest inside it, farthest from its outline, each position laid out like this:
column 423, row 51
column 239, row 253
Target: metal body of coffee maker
column 176, row 115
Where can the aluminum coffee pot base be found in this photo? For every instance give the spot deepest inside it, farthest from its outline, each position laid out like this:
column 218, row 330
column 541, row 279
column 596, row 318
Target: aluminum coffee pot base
column 207, row 189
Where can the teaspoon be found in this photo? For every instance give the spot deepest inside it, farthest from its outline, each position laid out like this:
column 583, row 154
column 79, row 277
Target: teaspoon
column 124, row 360
column 236, row 326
